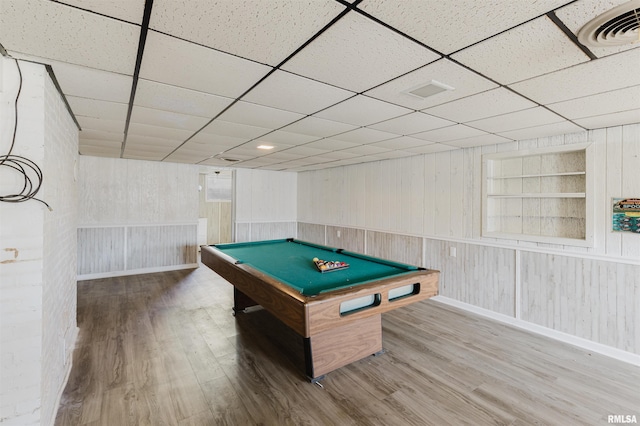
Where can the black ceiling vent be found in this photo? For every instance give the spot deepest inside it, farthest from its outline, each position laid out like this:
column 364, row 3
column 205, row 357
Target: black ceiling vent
column 615, row 27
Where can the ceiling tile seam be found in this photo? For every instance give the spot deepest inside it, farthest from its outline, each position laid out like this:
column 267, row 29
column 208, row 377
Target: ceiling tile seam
column 52, row 75
column 95, row 13
column 274, row 69
column 144, row 29
column 3, row 52
column 570, row 35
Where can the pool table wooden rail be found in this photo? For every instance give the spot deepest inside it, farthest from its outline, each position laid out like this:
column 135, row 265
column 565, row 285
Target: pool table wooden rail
column 332, row 339
column 308, row 315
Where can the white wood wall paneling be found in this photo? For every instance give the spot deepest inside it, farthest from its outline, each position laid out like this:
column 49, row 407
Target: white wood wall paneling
column 311, row 232
column 601, row 215
column 101, row 200
column 456, row 196
column 401, row 248
column 351, row 239
column 429, row 195
column 631, row 182
column 243, row 232
column 442, row 200
column 160, row 246
column 101, row 250
column 614, row 186
column 592, row 299
column 272, row 230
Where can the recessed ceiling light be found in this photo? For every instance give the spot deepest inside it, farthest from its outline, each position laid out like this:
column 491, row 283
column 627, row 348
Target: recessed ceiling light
column 265, row 147
column 425, row 90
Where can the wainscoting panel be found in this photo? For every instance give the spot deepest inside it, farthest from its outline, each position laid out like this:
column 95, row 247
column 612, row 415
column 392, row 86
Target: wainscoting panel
column 593, row 299
column 351, row 239
column 311, row 232
column 101, row 250
column 479, row 275
column 161, row 246
column 401, row 248
column 243, row 232
column 273, row 230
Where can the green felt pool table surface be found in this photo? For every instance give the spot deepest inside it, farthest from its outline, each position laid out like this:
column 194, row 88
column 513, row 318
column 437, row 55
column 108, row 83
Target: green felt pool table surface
column 291, row 262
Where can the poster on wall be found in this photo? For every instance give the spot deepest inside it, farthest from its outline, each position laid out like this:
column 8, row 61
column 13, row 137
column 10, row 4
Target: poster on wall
column 626, row 214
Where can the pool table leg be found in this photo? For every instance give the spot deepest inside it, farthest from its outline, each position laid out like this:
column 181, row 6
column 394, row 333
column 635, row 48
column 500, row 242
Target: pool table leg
column 241, row 301
column 339, row 346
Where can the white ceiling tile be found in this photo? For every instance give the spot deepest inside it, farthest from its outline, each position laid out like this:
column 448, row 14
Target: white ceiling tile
column 90, row 83
column 577, row 14
column 397, row 154
column 448, row 26
column 431, row 148
column 306, row 151
column 542, row 131
column 319, row 127
column 608, row 120
column 362, row 111
column 412, row 123
column 264, row 31
column 478, row 141
column 113, row 126
column 338, row 155
column 165, row 97
column 258, row 115
column 156, row 117
column 184, row 158
column 348, row 51
column 180, row 63
column 286, row 138
column 98, row 109
column 464, row 82
column 284, row 156
column 366, row 150
column 290, row 92
column 236, row 130
column 486, row 104
column 217, row 162
column 159, row 131
column 151, row 144
column 459, row 131
column 602, row 103
column 101, row 135
column 62, row 33
column 535, row 48
column 517, row 120
column 364, row 135
column 97, row 143
column 597, row 76
column 130, row 10
column 99, row 151
column 220, row 142
column 401, row 143
column 331, row 144
column 135, row 154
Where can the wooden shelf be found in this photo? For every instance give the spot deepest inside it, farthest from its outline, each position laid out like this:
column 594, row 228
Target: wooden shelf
column 537, row 175
column 539, row 195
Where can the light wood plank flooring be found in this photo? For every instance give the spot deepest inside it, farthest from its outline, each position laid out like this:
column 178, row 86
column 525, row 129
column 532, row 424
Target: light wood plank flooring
column 164, row 349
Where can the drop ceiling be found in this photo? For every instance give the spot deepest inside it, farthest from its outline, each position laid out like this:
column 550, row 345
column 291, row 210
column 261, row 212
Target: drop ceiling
column 324, row 82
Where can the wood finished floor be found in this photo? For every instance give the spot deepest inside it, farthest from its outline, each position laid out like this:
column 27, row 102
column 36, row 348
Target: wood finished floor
column 164, row 349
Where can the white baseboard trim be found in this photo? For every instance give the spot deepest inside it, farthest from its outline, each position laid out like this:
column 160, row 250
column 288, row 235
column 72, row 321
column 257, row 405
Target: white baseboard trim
column 609, row 351
column 137, row 271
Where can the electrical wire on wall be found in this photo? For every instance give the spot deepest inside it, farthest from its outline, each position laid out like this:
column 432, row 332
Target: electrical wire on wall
column 31, row 173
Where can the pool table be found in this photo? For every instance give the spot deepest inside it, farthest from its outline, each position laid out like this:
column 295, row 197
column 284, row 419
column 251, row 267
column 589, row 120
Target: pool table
column 338, row 313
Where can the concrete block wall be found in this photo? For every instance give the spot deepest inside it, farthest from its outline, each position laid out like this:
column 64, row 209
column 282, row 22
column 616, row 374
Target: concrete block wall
column 37, row 250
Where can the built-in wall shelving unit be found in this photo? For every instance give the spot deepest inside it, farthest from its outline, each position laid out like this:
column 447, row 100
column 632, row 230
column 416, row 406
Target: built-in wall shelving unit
column 541, row 195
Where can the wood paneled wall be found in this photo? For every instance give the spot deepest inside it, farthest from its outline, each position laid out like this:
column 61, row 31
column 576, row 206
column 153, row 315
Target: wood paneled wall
column 588, row 292
column 135, row 216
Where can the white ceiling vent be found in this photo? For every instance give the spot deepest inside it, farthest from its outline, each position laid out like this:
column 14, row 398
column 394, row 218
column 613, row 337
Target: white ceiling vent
column 614, row 27
column 428, row 89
